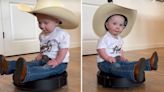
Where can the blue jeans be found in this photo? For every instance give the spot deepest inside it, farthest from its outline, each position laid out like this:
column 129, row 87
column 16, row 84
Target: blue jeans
column 38, row 70
column 121, row 68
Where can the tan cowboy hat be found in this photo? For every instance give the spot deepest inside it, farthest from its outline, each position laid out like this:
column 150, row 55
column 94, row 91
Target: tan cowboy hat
column 105, row 11
column 53, row 8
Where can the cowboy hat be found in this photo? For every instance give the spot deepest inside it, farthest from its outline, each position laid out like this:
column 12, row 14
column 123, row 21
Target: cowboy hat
column 109, row 9
column 53, row 8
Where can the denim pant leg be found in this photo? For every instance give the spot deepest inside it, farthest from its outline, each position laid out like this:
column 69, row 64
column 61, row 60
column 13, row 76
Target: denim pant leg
column 147, row 68
column 40, row 72
column 11, row 66
column 36, row 63
column 120, row 69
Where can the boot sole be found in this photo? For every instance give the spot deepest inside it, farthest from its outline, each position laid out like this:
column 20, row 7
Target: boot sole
column 155, row 61
column 141, row 74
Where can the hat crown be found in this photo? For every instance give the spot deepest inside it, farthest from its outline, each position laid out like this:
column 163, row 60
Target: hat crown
column 48, row 3
column 53, row 8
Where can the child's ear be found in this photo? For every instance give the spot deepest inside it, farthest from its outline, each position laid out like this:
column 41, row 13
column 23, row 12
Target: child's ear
column 58, row 22
column 106, row 26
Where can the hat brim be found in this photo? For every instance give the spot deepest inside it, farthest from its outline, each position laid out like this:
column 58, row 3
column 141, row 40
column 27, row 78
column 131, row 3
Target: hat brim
column 106, row 10
column 68, row 18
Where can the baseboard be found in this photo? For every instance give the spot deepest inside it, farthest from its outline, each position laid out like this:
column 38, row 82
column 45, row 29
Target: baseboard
column 75, row 44
column 89, row 47
column 142, row 46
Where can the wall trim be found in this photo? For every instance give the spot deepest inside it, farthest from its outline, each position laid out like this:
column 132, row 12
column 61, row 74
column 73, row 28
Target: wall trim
column 89, row 47
column 143, row 46
column 75, row 44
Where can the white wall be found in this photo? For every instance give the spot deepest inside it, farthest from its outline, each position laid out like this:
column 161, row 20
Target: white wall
column 75, row 6
column 89, row 41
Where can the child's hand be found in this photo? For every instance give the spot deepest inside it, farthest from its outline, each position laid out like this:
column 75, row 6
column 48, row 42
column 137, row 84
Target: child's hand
column 123, row 59
column 38, row 57
column 52, row 63
column 111, row 60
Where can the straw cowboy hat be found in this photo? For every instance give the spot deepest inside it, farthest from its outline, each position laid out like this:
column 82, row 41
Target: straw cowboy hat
column 105, row 11
column 53, row 8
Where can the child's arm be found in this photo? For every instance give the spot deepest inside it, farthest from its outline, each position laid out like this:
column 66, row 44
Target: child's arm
column 59, row 58
column 106, row 57
column 38, row 57
column 122, row 56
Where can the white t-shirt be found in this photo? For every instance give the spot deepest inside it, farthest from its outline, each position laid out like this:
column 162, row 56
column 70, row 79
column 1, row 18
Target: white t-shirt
column 112, row 45
column 52, row 43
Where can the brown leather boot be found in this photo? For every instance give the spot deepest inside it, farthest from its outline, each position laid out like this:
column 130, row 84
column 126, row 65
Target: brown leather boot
column 139, row 70
column 3, row 65
column 154, row 61
column 20, row 72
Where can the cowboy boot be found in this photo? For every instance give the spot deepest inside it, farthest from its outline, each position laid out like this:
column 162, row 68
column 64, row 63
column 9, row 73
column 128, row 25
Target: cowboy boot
column 3, row 65
column 139, row 70
column 154, row 61
column 20, row 72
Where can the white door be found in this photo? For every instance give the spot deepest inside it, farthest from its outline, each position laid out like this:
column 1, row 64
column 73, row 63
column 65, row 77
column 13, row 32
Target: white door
column 89, row 37
column 20, row 29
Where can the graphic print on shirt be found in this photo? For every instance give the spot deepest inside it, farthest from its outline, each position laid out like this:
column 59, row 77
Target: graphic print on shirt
column 116, row 50
column 47, row 47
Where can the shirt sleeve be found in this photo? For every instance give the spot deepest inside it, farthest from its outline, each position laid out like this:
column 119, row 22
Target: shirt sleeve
column 40, row 38
column 101, row 43
column 65, row 41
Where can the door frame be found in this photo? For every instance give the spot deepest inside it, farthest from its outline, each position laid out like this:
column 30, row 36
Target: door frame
column 1, row 31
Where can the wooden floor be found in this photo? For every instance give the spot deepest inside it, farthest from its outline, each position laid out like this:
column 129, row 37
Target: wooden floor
column 73, row 85
column 154, row 79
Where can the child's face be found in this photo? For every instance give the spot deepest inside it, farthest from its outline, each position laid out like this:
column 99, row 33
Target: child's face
column 115, row 24
column 46, row 23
